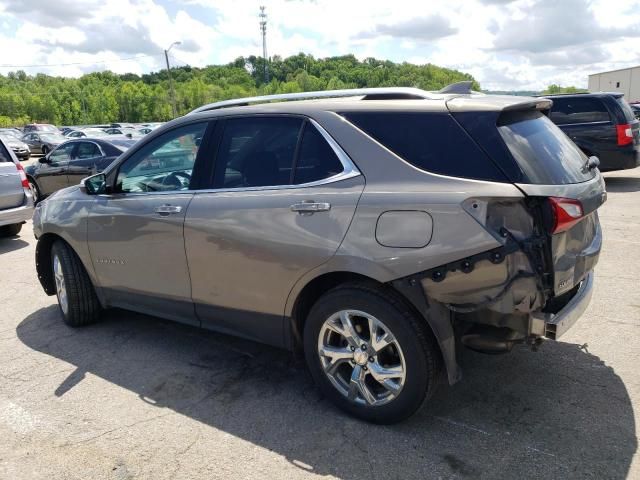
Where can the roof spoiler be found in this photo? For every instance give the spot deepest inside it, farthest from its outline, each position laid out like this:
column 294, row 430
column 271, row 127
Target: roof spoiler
column 460, row 88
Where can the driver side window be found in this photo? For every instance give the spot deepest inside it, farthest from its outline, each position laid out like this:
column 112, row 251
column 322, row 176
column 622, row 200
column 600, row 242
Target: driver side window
column 165, row 164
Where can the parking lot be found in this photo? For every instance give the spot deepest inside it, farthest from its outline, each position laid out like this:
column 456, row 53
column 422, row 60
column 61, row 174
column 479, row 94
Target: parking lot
column 135, row 396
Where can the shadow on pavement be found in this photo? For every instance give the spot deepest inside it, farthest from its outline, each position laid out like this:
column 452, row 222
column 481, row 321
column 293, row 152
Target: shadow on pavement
column 9, row 244
column 558, row 413
column 622, row 184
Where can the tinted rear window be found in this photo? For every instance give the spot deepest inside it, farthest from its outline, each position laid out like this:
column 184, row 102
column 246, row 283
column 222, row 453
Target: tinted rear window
column 433, row 142
column 566, row 111
column 543, row 152
column 626, row 109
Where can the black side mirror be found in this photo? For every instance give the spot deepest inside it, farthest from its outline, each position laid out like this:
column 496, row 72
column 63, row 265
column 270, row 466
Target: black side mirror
column 94, row 185
column 44, row 159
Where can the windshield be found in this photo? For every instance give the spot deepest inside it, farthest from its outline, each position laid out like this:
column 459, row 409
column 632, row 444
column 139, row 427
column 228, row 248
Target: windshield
column 543, row 152
column 95, row 132
column 123, row 144
column 47, row 128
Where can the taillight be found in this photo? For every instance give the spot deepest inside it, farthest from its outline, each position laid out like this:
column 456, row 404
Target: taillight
column 23, row 176
column 625, row 135
column 566, row 213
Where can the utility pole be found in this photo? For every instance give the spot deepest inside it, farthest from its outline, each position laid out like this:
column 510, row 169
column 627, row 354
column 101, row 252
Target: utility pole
column 171, row 90
column 263, row 30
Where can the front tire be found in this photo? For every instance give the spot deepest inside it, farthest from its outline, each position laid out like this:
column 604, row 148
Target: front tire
column 10, row 230
column 77, row 298
column 370, row 353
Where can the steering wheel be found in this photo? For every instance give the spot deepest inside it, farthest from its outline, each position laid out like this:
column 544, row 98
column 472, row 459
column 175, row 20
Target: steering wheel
column 175, row 179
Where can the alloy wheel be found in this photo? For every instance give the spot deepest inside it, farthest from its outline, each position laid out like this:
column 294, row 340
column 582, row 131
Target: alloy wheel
column 34, row 191
column 61, row 288
column 361, row 358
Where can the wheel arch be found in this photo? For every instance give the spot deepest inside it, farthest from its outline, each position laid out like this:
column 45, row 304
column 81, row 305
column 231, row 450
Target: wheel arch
column 43, row 261
column 436, row 317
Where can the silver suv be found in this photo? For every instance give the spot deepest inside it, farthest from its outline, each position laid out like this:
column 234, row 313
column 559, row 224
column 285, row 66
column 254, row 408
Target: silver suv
column 16, row 201
column 375, row 232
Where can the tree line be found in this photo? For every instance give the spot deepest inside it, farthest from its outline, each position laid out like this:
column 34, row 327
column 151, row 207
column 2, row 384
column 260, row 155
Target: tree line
column 104, row 97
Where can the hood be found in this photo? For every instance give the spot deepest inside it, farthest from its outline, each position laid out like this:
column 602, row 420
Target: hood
column 16, row 144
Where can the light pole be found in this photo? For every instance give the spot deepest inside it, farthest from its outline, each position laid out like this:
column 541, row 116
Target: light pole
column 173, row 93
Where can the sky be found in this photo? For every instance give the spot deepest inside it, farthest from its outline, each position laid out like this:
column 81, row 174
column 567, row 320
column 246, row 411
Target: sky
column 504, row 44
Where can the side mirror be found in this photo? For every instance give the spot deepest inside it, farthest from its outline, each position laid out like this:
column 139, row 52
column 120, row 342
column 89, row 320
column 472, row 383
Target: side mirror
column 94, row 185
column 44, row 159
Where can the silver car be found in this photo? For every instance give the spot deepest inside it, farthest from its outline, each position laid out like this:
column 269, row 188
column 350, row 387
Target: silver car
column 16, row 202
column 375, row 233
column 43, row 142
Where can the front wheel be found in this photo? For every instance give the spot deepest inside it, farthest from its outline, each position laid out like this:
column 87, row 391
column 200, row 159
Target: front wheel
column 370, row 353
column 77, row 298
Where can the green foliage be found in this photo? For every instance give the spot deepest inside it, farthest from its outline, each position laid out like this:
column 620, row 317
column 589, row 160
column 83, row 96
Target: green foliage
column 103, row 97
column 553, row 89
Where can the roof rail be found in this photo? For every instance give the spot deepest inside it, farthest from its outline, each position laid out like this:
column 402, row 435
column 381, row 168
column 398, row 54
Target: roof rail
column 383, row 93
column 462, row 88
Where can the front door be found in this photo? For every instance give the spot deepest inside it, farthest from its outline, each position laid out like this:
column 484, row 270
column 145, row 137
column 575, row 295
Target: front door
column 52, row 172
column 135, row 234
column 281, row 203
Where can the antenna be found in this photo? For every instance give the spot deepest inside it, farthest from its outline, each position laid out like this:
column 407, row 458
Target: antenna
column 263, row 30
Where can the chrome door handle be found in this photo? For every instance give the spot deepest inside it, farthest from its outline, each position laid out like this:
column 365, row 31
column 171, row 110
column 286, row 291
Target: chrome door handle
column 310, row 207
column 168, row 209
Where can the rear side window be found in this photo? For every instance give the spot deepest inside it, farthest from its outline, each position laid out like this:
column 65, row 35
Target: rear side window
column 567, row 111
column 626, row 109
column 257, row 152
column 433, row 142
column 543, row 152
column 316, row 159
column 4, row 154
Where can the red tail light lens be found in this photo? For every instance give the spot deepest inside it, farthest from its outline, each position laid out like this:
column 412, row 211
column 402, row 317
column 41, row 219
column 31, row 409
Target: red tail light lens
column 566, row 213
column 625, row 135
column 23, row 176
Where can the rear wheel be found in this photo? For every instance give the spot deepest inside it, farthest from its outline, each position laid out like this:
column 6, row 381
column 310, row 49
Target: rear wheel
column 370, row 354
column 10, row 230
column 77, row 298
column 35, row 192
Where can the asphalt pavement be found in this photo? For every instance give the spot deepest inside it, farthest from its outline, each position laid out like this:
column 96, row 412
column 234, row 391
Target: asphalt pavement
column 139, row 397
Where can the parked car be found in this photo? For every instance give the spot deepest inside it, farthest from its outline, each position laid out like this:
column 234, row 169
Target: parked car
column 635, row 107
column 71, row 161
column 257, row 221
column 601, row 124
column 16, row 203
column 43, row 142
column 127, row 131
column 87, row 132
column 12, row 131
column 41, row 127
column 20, row 148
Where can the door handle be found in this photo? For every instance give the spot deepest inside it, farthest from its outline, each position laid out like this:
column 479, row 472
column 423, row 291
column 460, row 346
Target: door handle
column 168, row 209
column 310, row 207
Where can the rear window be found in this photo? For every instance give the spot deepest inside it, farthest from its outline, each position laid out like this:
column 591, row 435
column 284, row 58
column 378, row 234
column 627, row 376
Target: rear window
column 543, row 152
column 626, row 109
column 433, row 142
column 567, row 111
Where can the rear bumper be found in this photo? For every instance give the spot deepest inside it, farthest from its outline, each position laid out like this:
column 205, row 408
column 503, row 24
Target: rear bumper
column 554, row 325
column 620, row 159
column 19, row 214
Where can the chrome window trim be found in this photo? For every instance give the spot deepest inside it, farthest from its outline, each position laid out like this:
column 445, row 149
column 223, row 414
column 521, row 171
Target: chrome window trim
column 350, row 171
column 599, row 122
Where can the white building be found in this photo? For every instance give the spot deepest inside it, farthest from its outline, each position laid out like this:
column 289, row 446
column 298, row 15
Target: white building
column 626, row 80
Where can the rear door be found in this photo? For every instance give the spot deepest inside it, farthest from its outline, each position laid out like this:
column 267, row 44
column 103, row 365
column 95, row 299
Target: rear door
column 558, row 173
column 11, row 190
column 280, row 203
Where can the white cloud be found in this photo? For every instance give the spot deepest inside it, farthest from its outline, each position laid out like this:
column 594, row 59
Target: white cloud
column 505, row 44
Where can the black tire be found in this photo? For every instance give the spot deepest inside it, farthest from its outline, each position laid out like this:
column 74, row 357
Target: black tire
column 10, row 230
column 421, row 353
column 83, row 306
column 45, row 150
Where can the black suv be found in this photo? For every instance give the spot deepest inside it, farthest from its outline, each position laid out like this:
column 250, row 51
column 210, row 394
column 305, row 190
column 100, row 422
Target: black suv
column 601, row 124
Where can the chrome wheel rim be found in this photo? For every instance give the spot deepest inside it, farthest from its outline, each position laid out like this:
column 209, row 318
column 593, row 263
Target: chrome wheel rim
column 61, row 289
column 361, row 358
column 34, row 191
